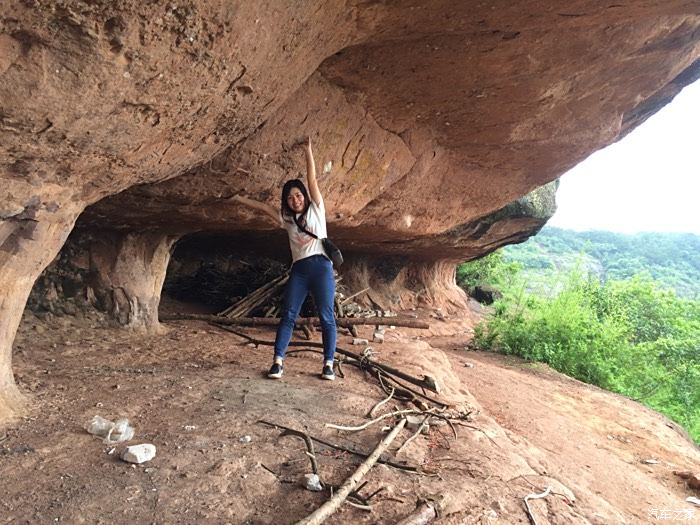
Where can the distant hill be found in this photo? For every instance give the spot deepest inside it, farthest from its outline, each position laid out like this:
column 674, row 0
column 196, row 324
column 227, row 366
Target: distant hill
column 670, row 258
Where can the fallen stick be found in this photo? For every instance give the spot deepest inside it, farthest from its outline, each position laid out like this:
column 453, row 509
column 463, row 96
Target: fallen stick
column 353, row 499
column 423, row 383
column 368, row 508
column 372, row 422
column 388, row 462
column 329, row 507
column 424, row 514
column 381, row 403
column 449, row 422
column 534, row 496
column 345, row 322
column 254, row 296
column 348, row 299
column 415, row 393
column 309, row 446
column 250, row 305
column 569, row 501
column 417, row 433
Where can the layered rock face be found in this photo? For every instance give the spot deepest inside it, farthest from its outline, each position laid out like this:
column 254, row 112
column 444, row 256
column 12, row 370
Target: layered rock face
column 428, row 120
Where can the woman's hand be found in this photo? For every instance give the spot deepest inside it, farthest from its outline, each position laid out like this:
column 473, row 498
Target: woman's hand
column 303, row 142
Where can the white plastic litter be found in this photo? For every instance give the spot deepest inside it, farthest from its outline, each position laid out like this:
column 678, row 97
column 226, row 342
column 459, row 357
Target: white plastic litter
column 694, row 500
column 312, row 482
column 111, row 432
column 139, row 453
column 359, row 341
column 245, row 439
column 99, row 426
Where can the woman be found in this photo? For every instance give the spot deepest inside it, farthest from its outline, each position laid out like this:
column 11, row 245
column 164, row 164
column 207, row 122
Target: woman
column 312, row 271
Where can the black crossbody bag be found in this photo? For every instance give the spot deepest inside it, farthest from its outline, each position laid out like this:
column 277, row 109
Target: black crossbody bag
column 332, row 251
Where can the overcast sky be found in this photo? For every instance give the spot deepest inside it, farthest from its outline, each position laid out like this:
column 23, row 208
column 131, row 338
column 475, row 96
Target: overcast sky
column 649, row 181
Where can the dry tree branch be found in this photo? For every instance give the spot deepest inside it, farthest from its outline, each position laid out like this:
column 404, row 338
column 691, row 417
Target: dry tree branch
column 424, row 514
column 415, row 392
column 330, row 506
column 348, row 299
column 534, row 496
column 309, row 446
column 368, row 508
column 449, row 422
column 388, row 462
column 372, row 422
column 382, row 402
column 423, row 424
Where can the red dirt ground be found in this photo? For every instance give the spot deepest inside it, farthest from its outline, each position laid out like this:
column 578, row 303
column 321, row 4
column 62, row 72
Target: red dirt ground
column 196, row 391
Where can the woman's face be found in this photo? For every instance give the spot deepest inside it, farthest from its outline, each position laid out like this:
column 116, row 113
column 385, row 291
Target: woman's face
column 295, row 200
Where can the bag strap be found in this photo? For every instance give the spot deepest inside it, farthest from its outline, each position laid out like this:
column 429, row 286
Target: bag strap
column 304, row 229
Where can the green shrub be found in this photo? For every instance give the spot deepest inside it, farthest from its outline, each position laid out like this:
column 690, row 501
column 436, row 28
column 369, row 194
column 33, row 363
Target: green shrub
column 491, row 270
column 632, row 336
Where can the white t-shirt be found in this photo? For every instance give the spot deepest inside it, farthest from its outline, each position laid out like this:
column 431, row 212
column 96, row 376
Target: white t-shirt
column 302, row 244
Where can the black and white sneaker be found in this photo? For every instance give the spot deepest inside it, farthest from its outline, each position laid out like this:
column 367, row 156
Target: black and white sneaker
column 328, row 373
column 275, row 371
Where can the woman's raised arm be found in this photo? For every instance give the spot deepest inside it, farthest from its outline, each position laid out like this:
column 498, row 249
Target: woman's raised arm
column 257, row 205
column 311, row 182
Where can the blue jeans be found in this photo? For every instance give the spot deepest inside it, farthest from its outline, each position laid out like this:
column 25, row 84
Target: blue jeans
column 313, row 274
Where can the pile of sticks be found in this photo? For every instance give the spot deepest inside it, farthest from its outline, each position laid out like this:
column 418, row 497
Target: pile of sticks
column 267, row 296
column 267, row 302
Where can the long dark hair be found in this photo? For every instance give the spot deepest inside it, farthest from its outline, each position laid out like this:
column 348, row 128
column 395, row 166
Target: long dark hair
column 287, row 212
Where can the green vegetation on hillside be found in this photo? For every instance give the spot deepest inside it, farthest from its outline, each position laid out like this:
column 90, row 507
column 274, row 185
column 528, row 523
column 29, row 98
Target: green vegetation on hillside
column 670, row 258
column 633, row 336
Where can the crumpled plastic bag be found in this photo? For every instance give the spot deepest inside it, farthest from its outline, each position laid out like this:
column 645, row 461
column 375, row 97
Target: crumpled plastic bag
column 111, row 432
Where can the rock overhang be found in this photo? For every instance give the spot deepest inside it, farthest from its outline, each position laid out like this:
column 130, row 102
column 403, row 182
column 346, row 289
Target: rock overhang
column 428, row 121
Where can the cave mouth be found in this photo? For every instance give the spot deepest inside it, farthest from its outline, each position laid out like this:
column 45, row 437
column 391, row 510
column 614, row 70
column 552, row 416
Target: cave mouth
column 208, row 273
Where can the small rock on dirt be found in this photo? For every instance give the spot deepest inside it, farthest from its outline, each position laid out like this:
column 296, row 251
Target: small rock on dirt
column 312, row 482
column 139, row 453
